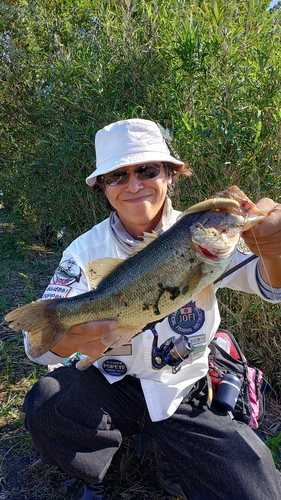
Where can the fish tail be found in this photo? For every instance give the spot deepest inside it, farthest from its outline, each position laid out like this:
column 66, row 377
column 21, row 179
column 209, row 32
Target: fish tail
column 41, row 321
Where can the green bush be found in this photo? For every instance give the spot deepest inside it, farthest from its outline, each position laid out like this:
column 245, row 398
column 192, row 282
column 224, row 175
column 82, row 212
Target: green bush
column 208, row 72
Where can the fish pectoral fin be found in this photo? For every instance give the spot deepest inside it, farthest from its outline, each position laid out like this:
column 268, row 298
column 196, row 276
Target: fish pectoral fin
column 147, row 238
column 120, row 336
column 205, row 299
column 98, row 269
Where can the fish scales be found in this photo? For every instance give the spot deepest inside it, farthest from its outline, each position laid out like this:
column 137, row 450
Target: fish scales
column 132, row 291
column 151, row 284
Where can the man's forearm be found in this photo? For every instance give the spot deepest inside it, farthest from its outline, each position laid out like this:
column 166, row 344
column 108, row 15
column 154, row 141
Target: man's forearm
column 270, row 271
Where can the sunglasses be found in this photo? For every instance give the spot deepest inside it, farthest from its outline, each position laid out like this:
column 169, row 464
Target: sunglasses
column 143, row 172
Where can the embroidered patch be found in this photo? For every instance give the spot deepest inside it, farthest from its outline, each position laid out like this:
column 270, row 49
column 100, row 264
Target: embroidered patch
column 67, row 272
column 56, row 292
column 114, row 367
column 187, row 320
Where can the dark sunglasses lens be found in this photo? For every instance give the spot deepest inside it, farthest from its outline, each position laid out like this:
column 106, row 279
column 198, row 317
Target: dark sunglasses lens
column 147, row 171
column 143, row 172
column 116, row 178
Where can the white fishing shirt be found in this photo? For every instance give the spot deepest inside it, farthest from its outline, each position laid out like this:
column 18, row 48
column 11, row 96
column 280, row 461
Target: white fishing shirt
column 163, row 390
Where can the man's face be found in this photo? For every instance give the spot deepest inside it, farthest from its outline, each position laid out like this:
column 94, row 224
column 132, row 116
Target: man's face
column 139, row 202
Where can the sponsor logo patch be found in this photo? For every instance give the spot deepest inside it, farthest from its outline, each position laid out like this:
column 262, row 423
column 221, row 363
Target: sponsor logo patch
column 187, row 320
column 68, row 272
column 114, row 367
column 56, row 292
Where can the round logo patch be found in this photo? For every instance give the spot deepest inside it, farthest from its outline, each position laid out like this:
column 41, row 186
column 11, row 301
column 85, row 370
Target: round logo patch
column 187, row 320
column 114, row 367
column 67, row 272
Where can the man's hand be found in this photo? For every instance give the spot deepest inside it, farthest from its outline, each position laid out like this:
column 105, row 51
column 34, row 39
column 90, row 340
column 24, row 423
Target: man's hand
column 84, row 338
column 265, row 240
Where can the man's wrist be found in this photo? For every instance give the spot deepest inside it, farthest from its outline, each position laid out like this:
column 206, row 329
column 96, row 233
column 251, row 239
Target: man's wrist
column 267, row 289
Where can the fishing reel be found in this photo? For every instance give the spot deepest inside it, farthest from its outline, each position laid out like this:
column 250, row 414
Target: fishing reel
column 172, row 352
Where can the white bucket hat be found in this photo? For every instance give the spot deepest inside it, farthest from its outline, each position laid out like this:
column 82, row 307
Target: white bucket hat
column 129, row 142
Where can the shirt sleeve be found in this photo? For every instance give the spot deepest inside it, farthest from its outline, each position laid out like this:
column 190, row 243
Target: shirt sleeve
column 69, row 280
column 49, row 358
column 269, row 292
column 245, row 279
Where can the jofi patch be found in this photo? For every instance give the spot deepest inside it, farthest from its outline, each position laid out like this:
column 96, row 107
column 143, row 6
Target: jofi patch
column 67, row 272
column 114, row 367
column 187, row 320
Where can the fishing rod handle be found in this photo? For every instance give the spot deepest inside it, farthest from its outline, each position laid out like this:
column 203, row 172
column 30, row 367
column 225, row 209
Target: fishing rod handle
column 85, row 363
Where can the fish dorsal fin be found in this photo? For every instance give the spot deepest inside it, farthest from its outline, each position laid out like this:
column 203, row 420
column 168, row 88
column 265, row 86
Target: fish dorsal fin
column 98, row 269
column 147, row 238
column 205, row 299
column 210, row 204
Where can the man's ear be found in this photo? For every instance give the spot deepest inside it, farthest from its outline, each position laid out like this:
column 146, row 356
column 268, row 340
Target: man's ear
column 170, row 178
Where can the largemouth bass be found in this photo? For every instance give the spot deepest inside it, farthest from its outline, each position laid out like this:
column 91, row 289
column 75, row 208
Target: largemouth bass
column 163, row 275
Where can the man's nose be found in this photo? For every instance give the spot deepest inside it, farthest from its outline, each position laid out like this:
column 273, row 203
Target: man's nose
column 134, row 183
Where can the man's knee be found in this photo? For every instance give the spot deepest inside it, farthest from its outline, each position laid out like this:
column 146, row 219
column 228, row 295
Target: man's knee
column 43, row 394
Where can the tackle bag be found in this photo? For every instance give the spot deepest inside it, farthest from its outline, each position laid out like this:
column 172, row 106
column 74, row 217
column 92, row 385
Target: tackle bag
column 226, row 357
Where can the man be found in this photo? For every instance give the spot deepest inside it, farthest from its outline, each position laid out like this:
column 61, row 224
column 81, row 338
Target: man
column 77, row 419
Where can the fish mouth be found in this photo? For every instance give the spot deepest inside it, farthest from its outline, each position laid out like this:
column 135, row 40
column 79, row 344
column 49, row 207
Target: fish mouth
column 219, row 248
column 215, row 255
column 214, row 241
column 206, row 253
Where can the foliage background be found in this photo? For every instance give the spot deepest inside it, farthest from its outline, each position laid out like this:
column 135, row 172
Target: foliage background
column 207, row 71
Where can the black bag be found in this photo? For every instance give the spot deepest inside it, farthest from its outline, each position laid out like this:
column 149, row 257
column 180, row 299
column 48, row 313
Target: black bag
column 226, row 357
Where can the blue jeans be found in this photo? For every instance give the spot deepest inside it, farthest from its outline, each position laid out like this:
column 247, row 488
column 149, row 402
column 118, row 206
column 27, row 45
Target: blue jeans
column 77, row 421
